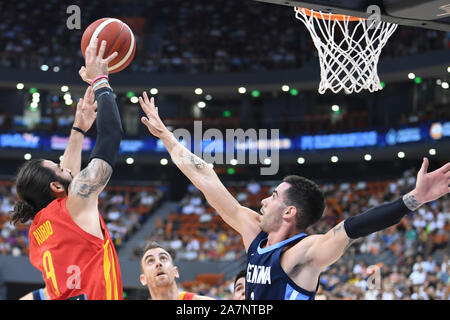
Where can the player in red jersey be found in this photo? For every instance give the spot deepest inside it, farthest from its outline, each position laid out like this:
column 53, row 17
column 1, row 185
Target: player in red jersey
column 69, row 242
column 159, row 274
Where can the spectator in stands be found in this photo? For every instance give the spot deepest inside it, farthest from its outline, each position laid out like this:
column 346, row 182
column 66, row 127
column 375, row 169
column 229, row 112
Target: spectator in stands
column 418, row 276
column 159, row 275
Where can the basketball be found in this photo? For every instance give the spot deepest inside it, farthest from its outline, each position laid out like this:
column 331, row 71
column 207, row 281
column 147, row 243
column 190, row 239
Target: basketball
column 118, row 36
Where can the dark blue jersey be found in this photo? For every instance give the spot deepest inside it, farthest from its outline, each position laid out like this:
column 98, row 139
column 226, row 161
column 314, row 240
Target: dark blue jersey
column 266, row 280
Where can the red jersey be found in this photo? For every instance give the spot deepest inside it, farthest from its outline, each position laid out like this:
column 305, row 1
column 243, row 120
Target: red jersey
column 73, row 262
column 186, row 295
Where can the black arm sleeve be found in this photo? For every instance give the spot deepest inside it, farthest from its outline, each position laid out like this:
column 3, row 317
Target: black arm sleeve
column 376, row 219
column 109, row 127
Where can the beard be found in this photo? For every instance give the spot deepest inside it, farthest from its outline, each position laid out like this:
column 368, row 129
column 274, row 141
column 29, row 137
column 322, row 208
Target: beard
column 269, row 222
column 65, row 183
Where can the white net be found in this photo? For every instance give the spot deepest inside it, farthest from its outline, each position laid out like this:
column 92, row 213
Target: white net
column 349, row 50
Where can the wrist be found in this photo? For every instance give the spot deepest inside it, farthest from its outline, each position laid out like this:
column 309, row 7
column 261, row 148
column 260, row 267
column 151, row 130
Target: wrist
column 99, row 77
column 99, row 85
column 79, row 129
column 412, row 200
column 166, row 135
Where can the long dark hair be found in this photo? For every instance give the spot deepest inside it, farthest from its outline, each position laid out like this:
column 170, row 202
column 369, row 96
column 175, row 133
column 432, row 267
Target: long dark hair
column 33, row 189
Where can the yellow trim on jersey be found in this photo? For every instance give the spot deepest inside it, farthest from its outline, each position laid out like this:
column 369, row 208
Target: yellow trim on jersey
column 109, row 264
column 116, row 291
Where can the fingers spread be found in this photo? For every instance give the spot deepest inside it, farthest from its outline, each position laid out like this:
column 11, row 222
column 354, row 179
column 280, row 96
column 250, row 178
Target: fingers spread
column 92, row 48
column 80, row 103
column 87, row 93
column 144, row 120
column 111, row 57
column 424, row 167
column 445, row 168
column 101, row 52
column 146, row 97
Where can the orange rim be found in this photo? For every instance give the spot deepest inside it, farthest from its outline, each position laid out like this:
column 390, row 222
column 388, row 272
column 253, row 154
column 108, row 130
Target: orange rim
column 329, row 16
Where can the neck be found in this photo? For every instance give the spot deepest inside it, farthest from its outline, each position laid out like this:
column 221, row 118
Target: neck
column 281, row 235
column 169, row 292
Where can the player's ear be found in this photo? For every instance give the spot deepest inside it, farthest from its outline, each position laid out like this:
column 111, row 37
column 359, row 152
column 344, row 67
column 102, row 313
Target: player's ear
column 177, row 275
column 142, row 279
column 290, row 212
column 57, row 189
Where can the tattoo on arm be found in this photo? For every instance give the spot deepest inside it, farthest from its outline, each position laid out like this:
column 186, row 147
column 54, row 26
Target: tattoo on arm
column 350, row 241
column 91, row 179
column 410, row 202
column 196, row 161
column 337, row 229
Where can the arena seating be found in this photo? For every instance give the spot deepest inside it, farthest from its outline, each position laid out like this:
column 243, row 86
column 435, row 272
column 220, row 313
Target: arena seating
column 180, row 37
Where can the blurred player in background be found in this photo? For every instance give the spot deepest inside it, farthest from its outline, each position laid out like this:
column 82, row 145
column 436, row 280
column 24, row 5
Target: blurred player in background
column 159, row 275
column 284, row 263
column 239, row 285
column 69, row 242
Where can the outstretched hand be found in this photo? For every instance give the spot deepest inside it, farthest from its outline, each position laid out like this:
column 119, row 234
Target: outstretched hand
column 152, row 121
column 432, row 185
column 95, row 64
column 86, row 111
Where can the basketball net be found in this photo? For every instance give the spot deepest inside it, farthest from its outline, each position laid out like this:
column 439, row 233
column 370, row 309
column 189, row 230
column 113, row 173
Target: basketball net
column 349, row 49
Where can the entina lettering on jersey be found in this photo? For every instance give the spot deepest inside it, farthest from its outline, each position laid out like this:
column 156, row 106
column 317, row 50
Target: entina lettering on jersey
column 258, row 274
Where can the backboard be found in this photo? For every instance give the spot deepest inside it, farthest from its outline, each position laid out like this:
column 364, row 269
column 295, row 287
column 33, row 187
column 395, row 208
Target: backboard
column 430, row 14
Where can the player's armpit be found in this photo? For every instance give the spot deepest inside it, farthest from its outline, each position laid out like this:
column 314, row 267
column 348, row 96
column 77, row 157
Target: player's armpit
column 82, row 201
column 328, row 248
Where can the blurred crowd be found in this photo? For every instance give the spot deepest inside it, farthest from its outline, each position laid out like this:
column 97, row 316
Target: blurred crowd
column 123, row 208
column 407, row 261
column 126, row 208
column 179, row 36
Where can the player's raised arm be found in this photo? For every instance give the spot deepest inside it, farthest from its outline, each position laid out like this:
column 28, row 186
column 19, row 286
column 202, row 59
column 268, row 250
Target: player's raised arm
column 87, row 185
column 85, row 116
column 324, row 250
column 243, row 220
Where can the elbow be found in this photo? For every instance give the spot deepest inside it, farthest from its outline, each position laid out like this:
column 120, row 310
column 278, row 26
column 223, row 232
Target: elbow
column 201, row 183
column 113, row 133
column 207, row 180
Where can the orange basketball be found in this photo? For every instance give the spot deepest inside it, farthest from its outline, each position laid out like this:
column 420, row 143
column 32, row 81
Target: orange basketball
column 118, row 36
